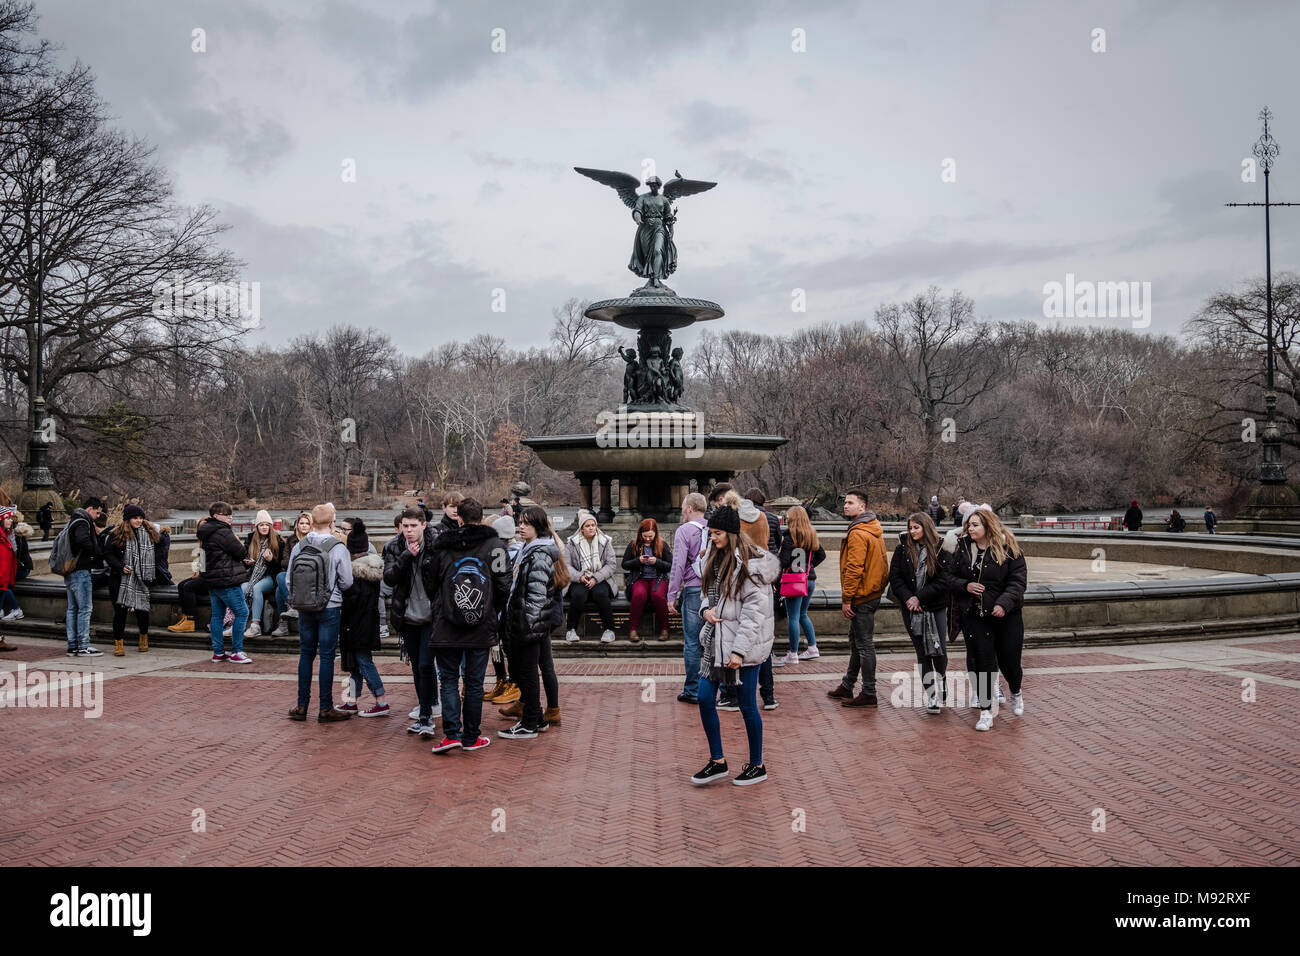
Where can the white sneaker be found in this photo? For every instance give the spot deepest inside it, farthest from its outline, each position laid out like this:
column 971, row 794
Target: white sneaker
column 415, row 712
column 15, row 615
column 985, row 721
column 228, row 632
column 292, row 612
column 383, row 631
column 789, row 658
column 810, row 653
column 1018, row 704
column 281, row 629
column 253, row 630
column 571, row 635
column 435, row 712
column 1002, row 698
column 606, row 637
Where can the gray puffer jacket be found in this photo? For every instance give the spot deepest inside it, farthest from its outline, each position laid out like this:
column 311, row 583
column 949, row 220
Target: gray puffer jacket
column 608, row 564
column 748, row 622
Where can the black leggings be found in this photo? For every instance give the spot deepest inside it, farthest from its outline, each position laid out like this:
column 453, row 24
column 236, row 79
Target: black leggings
column 119, row 621
column 995, row 644
column 928, row 664
column 600, row 596
column 190, row 590
column 525, row 659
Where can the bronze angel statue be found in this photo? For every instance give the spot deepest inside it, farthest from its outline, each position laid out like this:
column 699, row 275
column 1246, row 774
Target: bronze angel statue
column 654, row 254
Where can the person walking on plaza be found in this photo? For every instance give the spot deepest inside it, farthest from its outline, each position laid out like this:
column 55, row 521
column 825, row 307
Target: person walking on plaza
column 130, row 555
column 411, row 613
column 590, row 554
column 504, row 691
column 472, row 575
column 801, row 552
column 684, row 589
column 1211, row 519
column 736, row 638
column 359, row 624
column 1133, row 517
column 864, row 573
column 989, row 576
column 319, row 570
column 935, row 510
column 265, row 546
column 647, row 561
column 919, row 583
column 84, row 551
column 45, row 519
column 534, row 608
column 764, row 535
column 225, row 563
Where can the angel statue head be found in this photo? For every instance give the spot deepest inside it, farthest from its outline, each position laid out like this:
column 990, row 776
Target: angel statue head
column 654, row 182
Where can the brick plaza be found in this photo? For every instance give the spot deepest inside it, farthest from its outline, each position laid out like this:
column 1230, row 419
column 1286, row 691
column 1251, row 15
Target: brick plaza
column 1154, row 740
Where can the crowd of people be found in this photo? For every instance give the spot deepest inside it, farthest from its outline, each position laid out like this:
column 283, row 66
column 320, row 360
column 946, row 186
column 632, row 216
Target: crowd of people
column 467, row 590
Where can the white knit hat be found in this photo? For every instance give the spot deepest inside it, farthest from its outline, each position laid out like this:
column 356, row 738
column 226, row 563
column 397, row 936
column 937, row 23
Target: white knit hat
column 262, row 516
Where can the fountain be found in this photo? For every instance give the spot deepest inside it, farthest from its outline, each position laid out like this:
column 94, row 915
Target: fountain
column 652, row 446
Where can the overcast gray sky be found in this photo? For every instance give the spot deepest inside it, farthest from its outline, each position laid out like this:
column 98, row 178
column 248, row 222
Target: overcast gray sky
column 1109, row 165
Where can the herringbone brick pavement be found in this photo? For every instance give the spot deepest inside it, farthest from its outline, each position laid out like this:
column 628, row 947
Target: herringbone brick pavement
column 1173, row 762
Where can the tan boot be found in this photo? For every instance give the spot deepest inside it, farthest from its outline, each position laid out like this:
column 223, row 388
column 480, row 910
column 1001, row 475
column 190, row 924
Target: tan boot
column 551, row 715
column 118, row 649
column 497, row 688
column 509, row 695
column 184, row 626
column 6, row 647
column 513, row 710
column 144, row 643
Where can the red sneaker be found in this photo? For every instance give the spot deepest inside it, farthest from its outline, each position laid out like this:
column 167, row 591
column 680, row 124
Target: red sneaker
column 478, row 744
column 219, row 658
column 377, row 710
column 447, row 743
column 350, row 707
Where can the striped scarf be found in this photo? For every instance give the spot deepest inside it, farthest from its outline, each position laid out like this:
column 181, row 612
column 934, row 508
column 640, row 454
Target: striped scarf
column 133, row 592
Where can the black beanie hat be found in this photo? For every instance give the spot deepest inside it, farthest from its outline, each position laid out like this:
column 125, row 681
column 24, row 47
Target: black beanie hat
column 726, row 519
column 358, row 541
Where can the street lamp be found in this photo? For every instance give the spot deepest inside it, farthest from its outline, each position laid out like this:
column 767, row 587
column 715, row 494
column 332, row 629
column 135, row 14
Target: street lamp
column 37, row 476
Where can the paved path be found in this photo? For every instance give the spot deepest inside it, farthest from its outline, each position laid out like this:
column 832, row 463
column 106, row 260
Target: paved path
column 1157, row 738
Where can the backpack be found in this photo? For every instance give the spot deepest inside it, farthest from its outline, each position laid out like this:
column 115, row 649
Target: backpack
column 310, row 586
column 466, row 592
column 62, row 559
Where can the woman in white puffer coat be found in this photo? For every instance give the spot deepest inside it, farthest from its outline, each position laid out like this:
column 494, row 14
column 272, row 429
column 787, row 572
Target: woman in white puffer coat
column 737, row 637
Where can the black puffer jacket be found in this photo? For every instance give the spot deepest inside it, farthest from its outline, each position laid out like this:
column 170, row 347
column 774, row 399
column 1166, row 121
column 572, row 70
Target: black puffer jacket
column 223, row 555
column 1004, row 584
column 634, row 568
column 84, row 540
column 359, row 622
column 902, row 579
column 530, row 611
column 397, row 574
column 477, row 541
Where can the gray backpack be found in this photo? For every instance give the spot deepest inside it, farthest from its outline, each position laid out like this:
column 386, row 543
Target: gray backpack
column 62, row 559
column 310, row 583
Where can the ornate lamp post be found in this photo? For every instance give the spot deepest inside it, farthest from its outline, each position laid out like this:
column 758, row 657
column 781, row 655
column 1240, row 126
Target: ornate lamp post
column 37, row 476
column 1274, row 498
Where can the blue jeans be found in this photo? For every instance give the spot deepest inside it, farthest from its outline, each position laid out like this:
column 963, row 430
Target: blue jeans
column 80, row 590
column 450, row 661
column 796, row 611
column 424, row 667
column 260, row 590
column 8, row 602
column 691, row 624
column 233, row 598
column 748, row 710
column 367, row 671
column 318, row 631
column 281, row 592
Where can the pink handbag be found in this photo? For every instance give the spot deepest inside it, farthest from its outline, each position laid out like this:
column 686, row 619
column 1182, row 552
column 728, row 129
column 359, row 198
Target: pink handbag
column 795, row 583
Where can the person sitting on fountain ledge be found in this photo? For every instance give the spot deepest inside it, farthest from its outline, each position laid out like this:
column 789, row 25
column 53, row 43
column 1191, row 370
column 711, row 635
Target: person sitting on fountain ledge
column 591, row 556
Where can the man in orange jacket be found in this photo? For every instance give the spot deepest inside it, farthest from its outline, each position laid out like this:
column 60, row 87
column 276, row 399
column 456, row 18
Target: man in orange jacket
column 864, row 572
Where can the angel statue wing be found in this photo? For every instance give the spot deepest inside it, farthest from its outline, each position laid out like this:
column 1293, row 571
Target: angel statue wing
column 622, row 183
column 675, row 189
